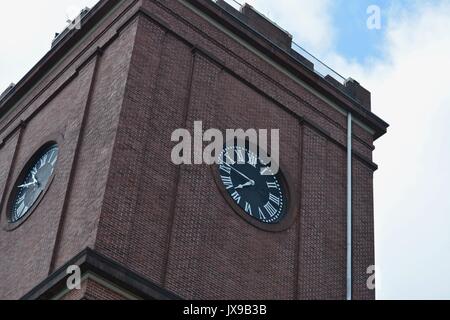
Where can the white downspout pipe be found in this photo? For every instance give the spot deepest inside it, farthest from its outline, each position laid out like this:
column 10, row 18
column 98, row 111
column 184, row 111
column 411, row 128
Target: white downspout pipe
column 349, row 206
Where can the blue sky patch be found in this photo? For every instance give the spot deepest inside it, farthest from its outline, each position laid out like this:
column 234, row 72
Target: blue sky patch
column 355, row 40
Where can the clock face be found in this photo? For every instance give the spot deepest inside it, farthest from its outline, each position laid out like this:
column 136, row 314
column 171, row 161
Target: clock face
column 35, row 180
column 262, row 197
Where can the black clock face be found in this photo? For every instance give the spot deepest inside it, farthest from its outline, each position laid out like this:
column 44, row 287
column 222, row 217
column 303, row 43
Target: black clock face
column 34, row 182
column 262, row 197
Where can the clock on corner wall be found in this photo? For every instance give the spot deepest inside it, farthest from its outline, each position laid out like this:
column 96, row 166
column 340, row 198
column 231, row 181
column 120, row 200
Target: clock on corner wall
column 31, row 184
column 259, row 196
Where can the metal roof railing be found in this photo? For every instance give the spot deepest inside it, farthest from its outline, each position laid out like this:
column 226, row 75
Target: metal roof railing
column 319, row 67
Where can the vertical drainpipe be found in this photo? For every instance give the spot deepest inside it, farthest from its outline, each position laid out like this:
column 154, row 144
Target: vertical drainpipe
column 349, row 206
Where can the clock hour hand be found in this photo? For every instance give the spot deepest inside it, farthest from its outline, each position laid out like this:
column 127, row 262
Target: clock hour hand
column 35, row 180
column 241, row 186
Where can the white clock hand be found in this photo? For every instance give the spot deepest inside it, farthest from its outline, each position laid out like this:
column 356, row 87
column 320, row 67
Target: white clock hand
column 35, row 180
column 26, row 185
column 233, row 168
column 241, row 186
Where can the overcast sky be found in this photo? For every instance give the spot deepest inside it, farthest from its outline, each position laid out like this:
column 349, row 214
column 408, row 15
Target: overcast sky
column 405, row 65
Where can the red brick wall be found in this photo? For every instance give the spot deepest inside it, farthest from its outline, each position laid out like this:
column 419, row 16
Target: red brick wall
column 90, row 289
column 176, row 228
column 97, row 291
column 117, row 191
column 74, row 101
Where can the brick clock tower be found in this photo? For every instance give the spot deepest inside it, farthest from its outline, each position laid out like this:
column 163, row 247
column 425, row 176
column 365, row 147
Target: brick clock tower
column 87, row 178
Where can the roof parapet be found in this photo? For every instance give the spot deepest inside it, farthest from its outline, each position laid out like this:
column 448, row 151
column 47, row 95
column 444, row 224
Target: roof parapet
column 284, row 40
column 359, row 93
column 267, row 27
column 260, row 23
column 73, row 24
column 7, row 90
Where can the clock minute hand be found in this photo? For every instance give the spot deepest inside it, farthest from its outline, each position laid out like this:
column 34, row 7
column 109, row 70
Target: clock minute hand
column 250, row 180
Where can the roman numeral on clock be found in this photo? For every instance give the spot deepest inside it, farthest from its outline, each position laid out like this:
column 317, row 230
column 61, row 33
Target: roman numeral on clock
column 248, row 208
column 240, row 156
column 228, row 183
column 261, row 214
column 252, row 160
column 270, row 209
column 230, row 159
column 272, row 185
column 225, row 168
column 274, row 199
column 236, row 196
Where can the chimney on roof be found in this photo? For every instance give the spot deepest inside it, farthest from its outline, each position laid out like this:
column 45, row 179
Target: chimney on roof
column 8, row 90
column 75, row 24
column 359, row 93
column 266, row 27
column 260, row 23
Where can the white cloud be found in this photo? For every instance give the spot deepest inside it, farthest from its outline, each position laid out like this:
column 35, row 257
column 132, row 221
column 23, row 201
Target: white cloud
column 28, row 36
column 411, row 90
column 410, row 86
column 308, row 21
